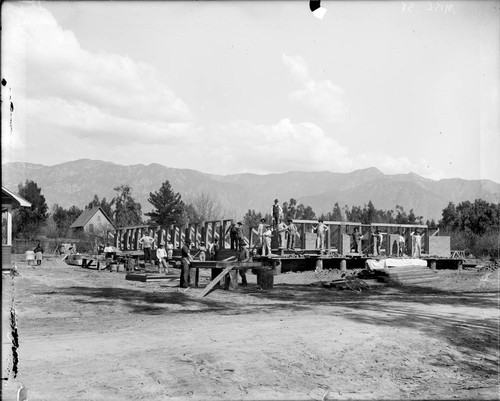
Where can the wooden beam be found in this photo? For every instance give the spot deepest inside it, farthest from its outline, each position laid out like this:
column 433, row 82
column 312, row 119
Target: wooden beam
column 331, row 223
column 214, row 282
column 398, row 225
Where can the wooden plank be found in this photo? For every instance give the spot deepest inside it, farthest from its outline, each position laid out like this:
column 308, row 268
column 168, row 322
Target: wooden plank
column 214, row 282
column 222, row 264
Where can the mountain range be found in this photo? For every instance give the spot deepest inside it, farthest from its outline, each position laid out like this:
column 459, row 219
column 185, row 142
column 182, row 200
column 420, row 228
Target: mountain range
column 76, row 182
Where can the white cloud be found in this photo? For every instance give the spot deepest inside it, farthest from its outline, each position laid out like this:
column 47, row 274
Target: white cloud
column 49, row 62
column 322, row 97
column 80, row 118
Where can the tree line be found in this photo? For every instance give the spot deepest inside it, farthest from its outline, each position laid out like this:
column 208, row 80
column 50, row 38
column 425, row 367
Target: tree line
column 473, row 226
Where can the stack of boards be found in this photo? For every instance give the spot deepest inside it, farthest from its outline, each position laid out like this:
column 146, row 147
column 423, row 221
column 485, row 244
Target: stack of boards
column 150, row 277
column 408, row 275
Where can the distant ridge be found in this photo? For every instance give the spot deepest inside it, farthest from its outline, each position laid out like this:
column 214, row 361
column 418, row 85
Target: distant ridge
column 76, row 182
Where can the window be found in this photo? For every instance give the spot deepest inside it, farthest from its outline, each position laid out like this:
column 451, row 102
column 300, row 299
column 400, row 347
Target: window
column 98, row 218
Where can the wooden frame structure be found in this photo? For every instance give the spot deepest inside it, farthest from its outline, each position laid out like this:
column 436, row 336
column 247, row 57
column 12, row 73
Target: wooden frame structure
column 127, row 238
column 392, row 229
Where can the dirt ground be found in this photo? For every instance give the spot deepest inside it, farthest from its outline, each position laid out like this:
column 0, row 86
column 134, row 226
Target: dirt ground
column 88, row 335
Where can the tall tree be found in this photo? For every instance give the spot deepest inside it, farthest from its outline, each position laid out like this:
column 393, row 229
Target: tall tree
column 64, row 218
column 127, row 212
column 204, row 207
column 168, row 206
column 29, row 220
column 105, row 206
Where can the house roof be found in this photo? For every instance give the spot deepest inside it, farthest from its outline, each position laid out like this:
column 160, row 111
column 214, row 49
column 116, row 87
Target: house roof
column 86, row 215
column 10, row 198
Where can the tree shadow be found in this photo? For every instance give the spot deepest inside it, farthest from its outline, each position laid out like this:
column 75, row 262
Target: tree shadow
column 388, row 306
column 477, row 338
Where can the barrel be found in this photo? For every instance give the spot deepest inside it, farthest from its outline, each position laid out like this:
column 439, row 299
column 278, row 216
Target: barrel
column 30, row 257
column 113, row 267
column 265, row 279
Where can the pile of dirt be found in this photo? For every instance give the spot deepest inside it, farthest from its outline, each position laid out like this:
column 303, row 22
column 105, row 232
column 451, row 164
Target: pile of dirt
column 491, row 266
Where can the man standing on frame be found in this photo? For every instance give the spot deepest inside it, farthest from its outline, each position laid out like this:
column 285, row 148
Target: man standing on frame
column 277, row 212
column 291, row 232
column 321, row 228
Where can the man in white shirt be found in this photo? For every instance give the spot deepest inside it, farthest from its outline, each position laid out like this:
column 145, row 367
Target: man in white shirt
column 161, row 255
column 417, row 243
column 321, row 228
column 147, row 242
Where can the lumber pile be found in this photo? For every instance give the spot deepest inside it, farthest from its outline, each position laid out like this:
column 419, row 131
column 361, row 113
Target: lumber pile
column 408, row 275
column 149, row 277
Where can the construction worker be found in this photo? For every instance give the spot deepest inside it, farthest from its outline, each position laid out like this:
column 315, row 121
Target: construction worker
column 147, row 242
column 356, row 238
column 282, row 228
column 261, row 228
column 233, row 235
column 187, row 277
column 320, row 229
column 244, row 256
column 291, row 231
column 401, row 244
column 277, row 212
column 417, row 243
column 266, row 248
column 161, row 255
column 203, row 251
column 378, row 237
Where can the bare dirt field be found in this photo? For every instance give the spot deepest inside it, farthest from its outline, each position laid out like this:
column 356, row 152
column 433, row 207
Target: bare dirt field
column 88, row 335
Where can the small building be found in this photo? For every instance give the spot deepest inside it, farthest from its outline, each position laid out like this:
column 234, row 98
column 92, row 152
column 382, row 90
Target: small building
column 10, row 201
column 92, row 221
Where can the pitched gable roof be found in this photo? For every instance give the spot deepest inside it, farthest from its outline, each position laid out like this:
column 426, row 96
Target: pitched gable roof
column 10, row 198
column 87, row 215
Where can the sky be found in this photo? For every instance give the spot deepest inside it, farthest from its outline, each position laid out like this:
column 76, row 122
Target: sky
column 258, row 87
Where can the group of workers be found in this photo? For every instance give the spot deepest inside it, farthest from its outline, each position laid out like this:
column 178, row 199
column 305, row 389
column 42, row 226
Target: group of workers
column 401, row 246
column 286, row 233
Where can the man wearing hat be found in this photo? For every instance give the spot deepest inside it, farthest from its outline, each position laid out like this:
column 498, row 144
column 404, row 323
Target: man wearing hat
column 277, row 212
column 260, row 235
column 161, row 255
column 187, row 277
column 241, row 235
column 417, row 243
column 291, row 231
column 244, row 256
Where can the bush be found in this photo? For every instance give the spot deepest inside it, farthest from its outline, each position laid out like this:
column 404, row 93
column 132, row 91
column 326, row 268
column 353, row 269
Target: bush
column 477, row 245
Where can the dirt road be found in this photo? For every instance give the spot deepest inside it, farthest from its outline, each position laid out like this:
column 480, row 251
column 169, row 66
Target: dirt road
column 85, row 335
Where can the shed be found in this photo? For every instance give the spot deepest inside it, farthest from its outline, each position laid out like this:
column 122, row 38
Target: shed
column 10, row 201
column 92, row 221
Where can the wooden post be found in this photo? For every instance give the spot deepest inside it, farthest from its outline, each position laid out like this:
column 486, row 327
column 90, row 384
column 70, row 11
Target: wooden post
column 303, row 235
column 222, row 240
column 196, row 232
column 250, row 237
column 343, row 265
column 433, row 265
column 205, row 234
column 138, row 233
column 328, row 239
column 213, row 232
